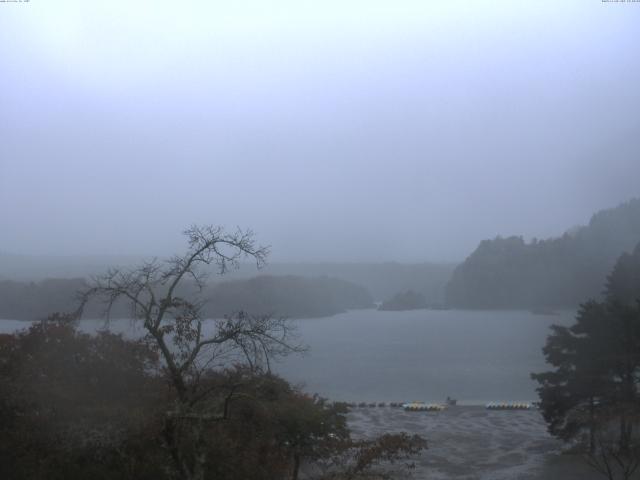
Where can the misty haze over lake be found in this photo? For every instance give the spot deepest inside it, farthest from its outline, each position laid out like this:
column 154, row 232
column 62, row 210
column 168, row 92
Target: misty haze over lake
column 442, row 197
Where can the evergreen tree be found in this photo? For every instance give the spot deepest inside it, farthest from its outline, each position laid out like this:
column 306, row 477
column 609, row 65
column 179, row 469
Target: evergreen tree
column 594, row 383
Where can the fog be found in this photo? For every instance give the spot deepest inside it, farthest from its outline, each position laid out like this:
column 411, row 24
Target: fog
column 446, row 197
column 342, row 131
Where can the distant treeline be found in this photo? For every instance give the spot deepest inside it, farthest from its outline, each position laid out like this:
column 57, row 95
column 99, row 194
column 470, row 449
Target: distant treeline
column 37, row 300
column 382, row 280
column 288, row 296
column 557, row 272
column 408, row 300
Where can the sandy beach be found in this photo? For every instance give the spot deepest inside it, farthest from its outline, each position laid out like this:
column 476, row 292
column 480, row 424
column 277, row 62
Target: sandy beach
column 470, row 442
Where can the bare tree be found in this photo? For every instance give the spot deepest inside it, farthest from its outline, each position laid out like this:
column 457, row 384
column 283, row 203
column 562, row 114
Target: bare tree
column 188, row 346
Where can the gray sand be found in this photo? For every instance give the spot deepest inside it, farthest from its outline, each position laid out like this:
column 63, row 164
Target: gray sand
column 470, row 442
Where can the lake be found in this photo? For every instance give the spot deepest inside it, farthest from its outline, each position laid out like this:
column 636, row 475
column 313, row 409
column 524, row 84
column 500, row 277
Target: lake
column 368, row 355
column 475, row 356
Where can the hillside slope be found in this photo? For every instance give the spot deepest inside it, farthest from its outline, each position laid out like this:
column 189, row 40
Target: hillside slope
column 557, row 272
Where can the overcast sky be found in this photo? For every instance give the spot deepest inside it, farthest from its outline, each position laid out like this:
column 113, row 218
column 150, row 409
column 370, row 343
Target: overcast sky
column 337, row 130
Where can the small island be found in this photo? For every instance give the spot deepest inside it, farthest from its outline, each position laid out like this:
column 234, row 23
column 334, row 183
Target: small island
column 408, row 300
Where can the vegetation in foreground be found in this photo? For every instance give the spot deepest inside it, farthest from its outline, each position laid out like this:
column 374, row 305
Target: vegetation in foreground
column 189, row 401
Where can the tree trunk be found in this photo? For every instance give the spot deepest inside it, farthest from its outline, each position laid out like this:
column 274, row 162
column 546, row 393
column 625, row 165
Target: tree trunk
column 169, row 435
column 625, row 434
column 200, row 457
column 592, row 427
column 296, row 466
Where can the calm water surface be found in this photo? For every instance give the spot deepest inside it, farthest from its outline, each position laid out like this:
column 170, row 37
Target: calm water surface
column 475, row 356
column 366, row 355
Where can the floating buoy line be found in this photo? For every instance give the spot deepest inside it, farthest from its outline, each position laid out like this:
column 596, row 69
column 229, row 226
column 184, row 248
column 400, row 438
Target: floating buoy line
column 438, row 407
column 508, row 406
column 423, row 407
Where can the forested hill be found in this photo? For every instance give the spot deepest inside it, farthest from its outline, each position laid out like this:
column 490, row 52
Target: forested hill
column 287, row 296
column 382, row 280
column 557, row 272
